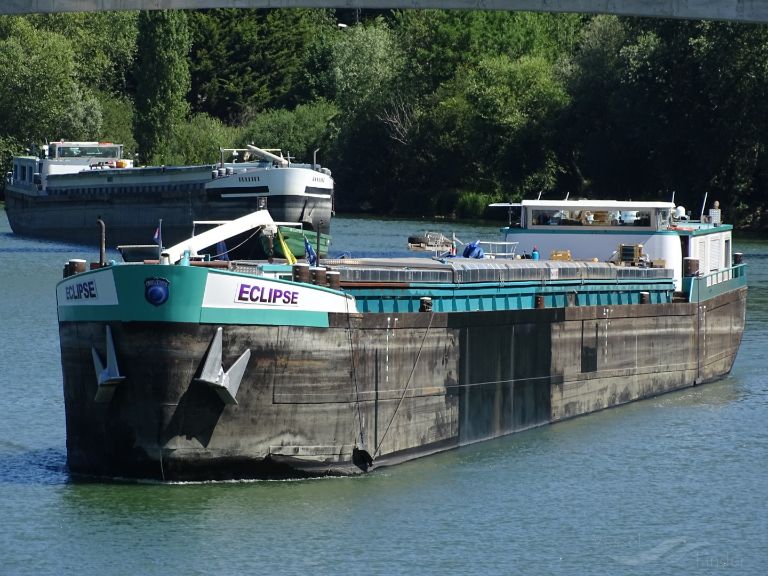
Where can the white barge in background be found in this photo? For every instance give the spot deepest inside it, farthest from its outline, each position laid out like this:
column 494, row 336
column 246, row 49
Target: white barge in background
column 191, row 369
column 61, row 193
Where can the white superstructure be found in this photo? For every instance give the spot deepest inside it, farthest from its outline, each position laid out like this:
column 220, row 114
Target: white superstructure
column 597, row 230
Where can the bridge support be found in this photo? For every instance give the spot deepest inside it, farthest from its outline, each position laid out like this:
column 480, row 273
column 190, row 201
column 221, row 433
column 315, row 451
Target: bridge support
column 735, row 10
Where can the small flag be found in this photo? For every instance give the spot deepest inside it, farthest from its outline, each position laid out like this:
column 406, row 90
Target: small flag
column 158, row 237
column 309, row 253
column 284, row 247
column 473, row 250
column 221, row 251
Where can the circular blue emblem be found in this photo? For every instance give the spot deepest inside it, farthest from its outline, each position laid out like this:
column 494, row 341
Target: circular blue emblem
column 156, row 291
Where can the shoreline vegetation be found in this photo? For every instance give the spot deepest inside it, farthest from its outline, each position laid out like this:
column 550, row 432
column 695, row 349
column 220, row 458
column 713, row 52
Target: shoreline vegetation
column 416, row 112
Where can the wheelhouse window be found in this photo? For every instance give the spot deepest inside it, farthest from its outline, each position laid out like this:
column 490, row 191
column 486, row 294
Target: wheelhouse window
column 597, row 218
column 85, row 151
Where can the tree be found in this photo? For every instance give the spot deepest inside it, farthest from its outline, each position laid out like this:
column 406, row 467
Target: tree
column 200, row 139
column 162, row 82
column 104, row 45
column 496, row 122
column 590, row 133
column 438, row 43
column 246, row 61
column 299, row 131
column 442, row 146
column 40, row 98
column 364, row 63
column 661, row 106
column 117, row 122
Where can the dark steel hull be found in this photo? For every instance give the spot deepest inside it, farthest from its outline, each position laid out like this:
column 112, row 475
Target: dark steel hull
column 398, row 386
column 133, row 219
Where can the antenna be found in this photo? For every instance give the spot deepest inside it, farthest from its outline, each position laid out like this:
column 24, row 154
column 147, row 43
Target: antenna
column 703, row 205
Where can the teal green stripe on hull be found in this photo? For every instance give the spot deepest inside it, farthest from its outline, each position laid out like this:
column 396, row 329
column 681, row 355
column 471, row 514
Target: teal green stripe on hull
column 264, row 317
column 184, row 304
column 186, row 287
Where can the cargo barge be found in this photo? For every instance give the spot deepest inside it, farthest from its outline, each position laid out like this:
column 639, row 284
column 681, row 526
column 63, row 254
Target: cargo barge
column 184, row 369
column 59, row 193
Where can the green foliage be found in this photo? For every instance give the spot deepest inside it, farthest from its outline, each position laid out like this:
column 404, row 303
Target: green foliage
column 117, row 122
column 299, row 131
column 471, row 106
column 226, row 63
column 246, row 61
column 472, row 205
column 162, row 83
column 417, row 112
column 363, row 66
column 104, row 45
column 662, row 106
column 200, row 138
column 40, row 97
column 9, row 147
column 517, row 34
column 314, row 80
column 438, row 43
column 366, row 178
column 364, row 63
column 495, row 122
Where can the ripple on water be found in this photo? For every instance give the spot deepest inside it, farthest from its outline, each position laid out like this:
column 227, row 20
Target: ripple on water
column 21, row 466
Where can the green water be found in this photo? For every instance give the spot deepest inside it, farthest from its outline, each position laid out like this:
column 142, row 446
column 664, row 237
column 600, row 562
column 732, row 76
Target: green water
column 673, row 485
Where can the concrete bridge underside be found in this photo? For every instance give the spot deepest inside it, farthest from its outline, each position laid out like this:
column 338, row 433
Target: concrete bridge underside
column 735, row 10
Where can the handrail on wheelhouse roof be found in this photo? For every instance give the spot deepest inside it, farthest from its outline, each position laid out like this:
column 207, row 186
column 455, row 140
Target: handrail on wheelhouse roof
column 596, row 204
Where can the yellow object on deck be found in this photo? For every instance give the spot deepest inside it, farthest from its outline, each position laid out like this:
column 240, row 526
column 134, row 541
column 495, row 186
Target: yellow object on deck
column 560, row 255
column 284, row 247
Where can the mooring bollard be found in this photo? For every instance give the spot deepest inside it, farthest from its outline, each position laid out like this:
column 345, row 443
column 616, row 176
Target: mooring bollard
column 300, row 272
column 319, row 276
column 334, row 279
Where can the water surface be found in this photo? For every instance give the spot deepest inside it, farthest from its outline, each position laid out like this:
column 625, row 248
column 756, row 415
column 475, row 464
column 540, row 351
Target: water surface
column 672, row 485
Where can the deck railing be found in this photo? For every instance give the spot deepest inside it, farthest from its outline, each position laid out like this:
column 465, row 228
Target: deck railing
column 706, row 286
column 498, row 249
